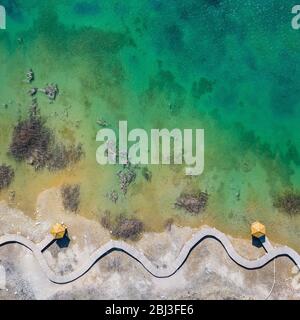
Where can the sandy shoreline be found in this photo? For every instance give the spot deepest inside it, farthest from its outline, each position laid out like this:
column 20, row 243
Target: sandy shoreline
column 208, row 274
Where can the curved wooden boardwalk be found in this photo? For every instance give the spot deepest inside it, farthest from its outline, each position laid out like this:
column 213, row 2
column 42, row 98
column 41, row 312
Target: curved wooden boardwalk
column 156, row 271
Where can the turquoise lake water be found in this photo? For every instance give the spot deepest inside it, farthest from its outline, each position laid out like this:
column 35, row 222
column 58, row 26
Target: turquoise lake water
column 229, row 67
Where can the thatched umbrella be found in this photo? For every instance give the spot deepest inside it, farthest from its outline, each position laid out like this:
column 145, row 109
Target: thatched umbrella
column 258, row 230
column 58, row 231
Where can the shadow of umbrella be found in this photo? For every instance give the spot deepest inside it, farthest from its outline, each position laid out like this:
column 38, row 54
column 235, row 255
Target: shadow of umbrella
column 64, row 242
column 258, row 242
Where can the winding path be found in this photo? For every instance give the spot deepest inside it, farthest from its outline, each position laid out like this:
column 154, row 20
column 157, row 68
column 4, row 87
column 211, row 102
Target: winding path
column 156, row 271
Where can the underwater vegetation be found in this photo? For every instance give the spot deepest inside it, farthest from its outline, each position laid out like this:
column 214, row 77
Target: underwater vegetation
column 193, row 203
column 289, row 202
column 122, row 227
column 86, row 8
column 202, row 87
column 30, row 142
column 34, row 143
column 71, row 197
column 128, row 228
column 6, row 176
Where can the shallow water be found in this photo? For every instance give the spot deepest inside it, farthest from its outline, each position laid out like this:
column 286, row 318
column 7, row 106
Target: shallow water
column 227, row 66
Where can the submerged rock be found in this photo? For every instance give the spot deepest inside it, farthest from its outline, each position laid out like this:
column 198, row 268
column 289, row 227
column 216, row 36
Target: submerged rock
column 51, row 91
column 29, row 76
column 147, row 174
column 33, row 91
column 113, row 196
column 102, row 123
column 126, row 177
column 193, row 203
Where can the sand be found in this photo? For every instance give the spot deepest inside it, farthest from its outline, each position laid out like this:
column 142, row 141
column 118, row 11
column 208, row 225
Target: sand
column 207, row 274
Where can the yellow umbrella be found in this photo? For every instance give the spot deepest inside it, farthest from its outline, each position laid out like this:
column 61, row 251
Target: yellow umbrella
column 58, row 230
column 258, row 230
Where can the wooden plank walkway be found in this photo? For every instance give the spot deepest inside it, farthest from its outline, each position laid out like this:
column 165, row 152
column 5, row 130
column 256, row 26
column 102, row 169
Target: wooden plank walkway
column 157, row 271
